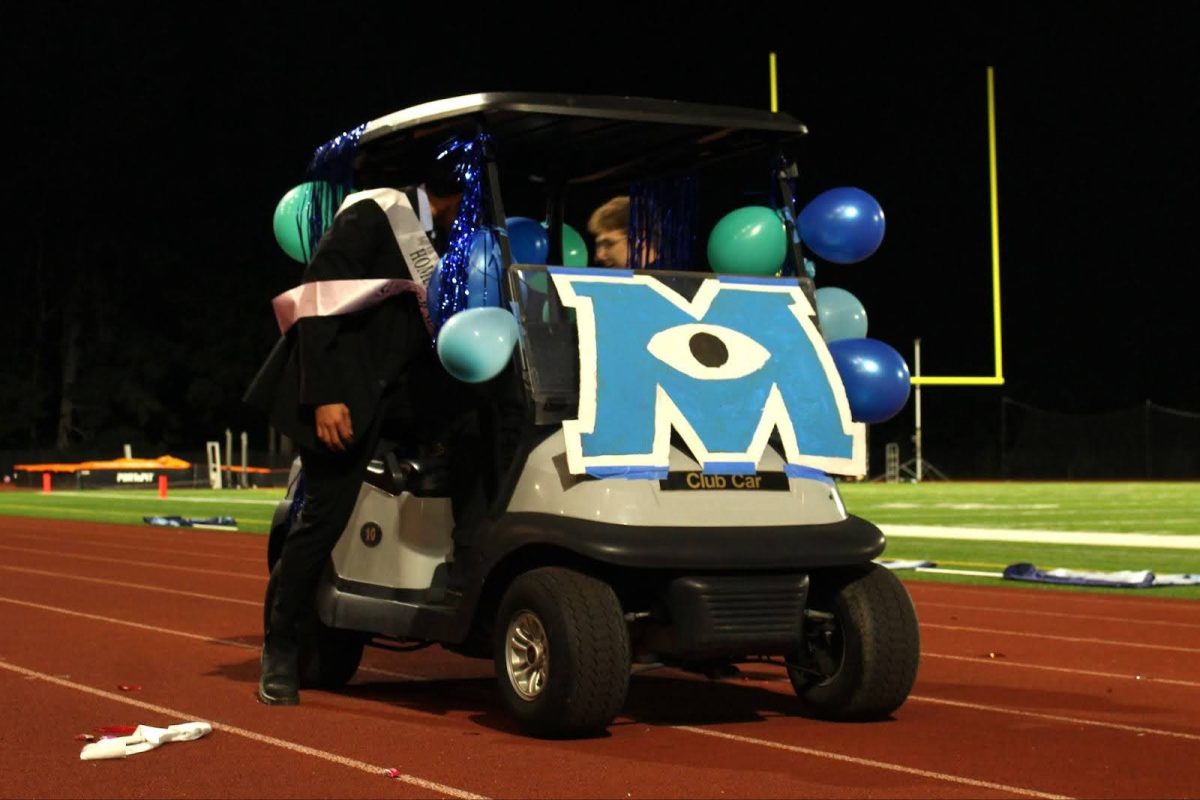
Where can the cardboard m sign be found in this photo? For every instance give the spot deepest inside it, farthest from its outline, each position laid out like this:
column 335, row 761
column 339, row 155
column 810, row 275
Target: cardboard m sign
column 723, row 369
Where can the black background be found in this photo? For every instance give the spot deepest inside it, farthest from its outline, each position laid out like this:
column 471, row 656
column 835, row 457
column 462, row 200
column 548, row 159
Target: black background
column 147, row 147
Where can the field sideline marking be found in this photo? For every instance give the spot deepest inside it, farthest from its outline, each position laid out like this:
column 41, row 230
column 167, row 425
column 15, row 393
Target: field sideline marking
column 867, row 762
column 216, row 501
column 253, row 736
column 1150, row 540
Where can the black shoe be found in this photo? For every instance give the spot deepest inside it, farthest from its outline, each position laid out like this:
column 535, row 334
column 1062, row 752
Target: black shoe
column 280, row 681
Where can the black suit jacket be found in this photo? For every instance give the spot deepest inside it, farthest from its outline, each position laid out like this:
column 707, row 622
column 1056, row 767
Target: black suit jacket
column 350, row 358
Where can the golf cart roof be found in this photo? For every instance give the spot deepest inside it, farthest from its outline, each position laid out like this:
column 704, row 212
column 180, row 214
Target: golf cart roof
column 570, row 138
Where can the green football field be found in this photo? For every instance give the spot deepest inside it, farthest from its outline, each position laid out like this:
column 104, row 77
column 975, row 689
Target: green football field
column 1161, row 509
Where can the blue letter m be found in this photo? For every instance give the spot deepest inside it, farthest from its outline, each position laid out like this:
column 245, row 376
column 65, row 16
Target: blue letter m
column 739, row 360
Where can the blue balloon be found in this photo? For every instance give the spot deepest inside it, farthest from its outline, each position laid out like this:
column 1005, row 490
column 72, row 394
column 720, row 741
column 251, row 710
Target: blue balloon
column 843, row 225
column 483, row 271
column 475, row 345
column 483, row 274
column 876, row 378
column 433, row 292
column 841, row 314
column 529, row 241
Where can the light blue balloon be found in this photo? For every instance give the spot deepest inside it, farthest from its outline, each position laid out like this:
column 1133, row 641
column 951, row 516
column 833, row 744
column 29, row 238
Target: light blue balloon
column 842, row 315
column 475, row 345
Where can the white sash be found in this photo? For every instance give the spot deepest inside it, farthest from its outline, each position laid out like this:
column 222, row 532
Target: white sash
column 326, row 298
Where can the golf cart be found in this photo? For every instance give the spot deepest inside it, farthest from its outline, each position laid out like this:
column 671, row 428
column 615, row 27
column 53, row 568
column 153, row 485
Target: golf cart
column 665, row 497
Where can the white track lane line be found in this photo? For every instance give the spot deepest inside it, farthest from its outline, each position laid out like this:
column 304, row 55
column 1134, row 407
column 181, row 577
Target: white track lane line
column 1063, row 614
column 748, row 740
column 744, row 739
column 141, row 548
column 157, row 565
column 184, row 634
column 1079, row 639
column 1004, row 662
column 866, row 762
column 294, row 747
column 127, row 585
column 1117, row 726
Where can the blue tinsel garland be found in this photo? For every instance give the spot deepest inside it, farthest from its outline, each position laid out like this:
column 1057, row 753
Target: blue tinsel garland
column 469, row 157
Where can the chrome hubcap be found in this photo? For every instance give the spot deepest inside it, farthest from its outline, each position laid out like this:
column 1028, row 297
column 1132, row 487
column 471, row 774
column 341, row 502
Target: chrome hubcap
column 528, row 655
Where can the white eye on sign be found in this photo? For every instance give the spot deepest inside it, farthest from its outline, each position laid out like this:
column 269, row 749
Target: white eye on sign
column 708, row 352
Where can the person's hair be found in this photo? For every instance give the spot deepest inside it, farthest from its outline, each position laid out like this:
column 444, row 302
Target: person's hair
column 612, row 216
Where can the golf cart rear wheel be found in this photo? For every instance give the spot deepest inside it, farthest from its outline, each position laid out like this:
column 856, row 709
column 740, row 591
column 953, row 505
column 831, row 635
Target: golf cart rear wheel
column 329, row 657
column 859, row 662
column 561, row 653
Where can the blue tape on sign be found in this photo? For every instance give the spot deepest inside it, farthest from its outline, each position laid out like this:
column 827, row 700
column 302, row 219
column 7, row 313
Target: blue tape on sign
column 751, row 279
column 632, row 473
column 797, row 471
column 591, row 271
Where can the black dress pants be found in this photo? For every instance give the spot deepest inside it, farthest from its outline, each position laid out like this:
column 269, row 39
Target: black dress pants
column 331, row 482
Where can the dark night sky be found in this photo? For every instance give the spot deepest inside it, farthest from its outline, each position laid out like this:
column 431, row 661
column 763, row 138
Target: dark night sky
column 179, row 130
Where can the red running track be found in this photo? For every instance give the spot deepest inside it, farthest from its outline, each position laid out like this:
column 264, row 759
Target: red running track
column 1021, row 693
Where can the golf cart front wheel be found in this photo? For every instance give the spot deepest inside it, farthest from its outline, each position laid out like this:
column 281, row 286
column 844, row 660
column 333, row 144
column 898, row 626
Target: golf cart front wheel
column 561, row 653
column 858, row 657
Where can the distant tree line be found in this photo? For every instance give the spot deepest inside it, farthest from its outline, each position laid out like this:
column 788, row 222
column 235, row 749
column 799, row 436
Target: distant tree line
column 129, row 336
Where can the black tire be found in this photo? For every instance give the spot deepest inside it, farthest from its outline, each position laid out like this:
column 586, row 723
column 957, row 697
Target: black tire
column 329, row 657
column 576, row 625
column 861, row 664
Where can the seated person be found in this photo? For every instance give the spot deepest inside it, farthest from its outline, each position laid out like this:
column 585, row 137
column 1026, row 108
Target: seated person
column 610, row 225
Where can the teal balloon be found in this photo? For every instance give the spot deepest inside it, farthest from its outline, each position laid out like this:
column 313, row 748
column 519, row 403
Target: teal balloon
column 748, row 241
column 575, row 252
column 291, row 222
column 841, row 314
column 475, row 345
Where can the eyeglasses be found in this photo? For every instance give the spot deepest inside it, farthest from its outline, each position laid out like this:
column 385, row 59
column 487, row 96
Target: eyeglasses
column 609, row 242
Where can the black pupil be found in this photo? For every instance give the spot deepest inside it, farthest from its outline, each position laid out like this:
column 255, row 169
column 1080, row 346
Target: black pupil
column 709, row 350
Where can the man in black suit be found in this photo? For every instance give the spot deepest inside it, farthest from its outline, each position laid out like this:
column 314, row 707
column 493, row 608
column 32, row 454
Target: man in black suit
column 333, row 381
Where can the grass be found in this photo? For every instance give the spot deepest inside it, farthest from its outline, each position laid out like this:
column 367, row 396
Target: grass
column 1156, row 508
column 1159, row 508
column 252, row 508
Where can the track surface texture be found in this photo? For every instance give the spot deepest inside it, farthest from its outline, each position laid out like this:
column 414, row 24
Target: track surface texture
column 1020, row 693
